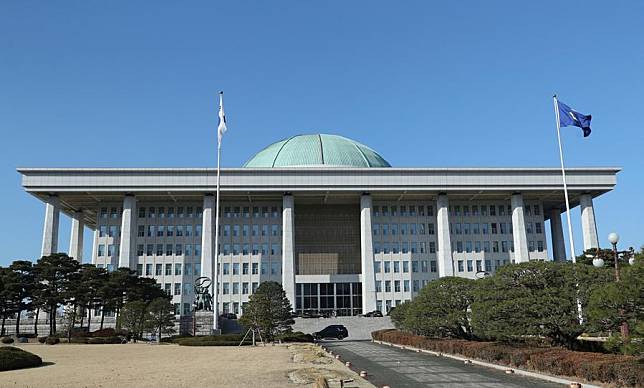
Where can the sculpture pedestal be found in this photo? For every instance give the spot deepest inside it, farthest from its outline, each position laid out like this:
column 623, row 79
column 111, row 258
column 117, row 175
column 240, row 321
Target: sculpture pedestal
column 203, row 324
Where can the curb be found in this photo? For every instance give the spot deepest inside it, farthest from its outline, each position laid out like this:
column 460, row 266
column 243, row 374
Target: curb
column 506, row 369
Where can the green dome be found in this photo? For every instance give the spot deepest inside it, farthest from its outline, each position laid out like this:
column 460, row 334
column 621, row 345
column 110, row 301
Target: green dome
column 317, row 150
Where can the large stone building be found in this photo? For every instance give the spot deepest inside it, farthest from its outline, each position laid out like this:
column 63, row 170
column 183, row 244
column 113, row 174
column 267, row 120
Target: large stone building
column 326, row 216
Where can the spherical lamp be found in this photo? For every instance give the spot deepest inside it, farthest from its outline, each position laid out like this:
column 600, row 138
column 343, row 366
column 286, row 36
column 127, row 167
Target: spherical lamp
column 613, row 238
column 598, row 263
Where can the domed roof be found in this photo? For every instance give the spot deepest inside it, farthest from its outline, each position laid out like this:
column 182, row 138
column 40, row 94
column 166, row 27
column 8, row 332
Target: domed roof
column 317, row 150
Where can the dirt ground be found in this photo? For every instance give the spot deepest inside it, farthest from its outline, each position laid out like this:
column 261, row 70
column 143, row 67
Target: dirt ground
column 145, row 365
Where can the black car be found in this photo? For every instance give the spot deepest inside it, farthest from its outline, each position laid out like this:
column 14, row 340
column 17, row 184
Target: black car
column 374, row 313
column 228, row 316
column 332, row 331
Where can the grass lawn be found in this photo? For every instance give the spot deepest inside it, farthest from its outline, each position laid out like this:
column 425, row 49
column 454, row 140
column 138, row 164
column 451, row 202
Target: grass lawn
column 144, row 365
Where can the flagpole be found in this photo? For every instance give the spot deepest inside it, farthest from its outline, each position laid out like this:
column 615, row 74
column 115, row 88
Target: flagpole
column 580, row 315
column 215, row 265
column 563, row 174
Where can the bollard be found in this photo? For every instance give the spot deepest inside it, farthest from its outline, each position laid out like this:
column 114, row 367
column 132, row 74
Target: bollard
column 575, row 385
column 337, row 356
column 468, row 361
column 509, row 371
column 363, row 373
column 347, row 364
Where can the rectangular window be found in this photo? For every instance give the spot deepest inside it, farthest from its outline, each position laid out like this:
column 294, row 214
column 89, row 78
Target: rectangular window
column 111, row 251
column 168, row 249
column 387, row 285
column 396, row 266
column 396, row 285
column 177, row 269
column 387, row 266
column 405, row 266
column 245, row 288
column 376, row 266
column 469, row 266
column 235, row 268
column 149, row 249
column 168, row 269
column 416, row 285
column 197, row 230
column 494, row 230
column 255, row 268
column 177, row 288
column 432, row 265
column 139, row 250
column 423, row 266
column 486, row 246
column 245, row 269
column 139, row 269
column 414, row 266
column 540, row 246
column 432, row 247
column 226, row 269
column 101, row 250
column 235, row 288
column 378, row 286
column 460, row 266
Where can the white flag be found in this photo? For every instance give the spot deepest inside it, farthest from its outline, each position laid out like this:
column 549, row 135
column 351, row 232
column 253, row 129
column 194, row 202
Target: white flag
column 221, row 128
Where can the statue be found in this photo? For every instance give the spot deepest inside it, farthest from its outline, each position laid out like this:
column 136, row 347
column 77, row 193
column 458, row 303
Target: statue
column 203, row 299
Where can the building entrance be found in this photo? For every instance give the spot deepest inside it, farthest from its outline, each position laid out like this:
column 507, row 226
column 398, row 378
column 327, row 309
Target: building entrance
column 328, row 299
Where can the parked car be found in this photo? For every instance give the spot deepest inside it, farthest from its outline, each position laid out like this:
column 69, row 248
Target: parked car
column 332, row 331
column 228, row 316
column 374, row 313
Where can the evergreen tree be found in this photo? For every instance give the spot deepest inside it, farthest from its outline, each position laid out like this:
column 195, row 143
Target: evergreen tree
column 535, row 299
column 132, row 318
column 268, row 311
column 161, row 317
column 55, row 274
column 23, row 289
column 442, row 309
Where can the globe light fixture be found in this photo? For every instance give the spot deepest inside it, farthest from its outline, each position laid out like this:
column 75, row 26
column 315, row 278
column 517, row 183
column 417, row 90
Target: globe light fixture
column 598, row 263
column 613, row 238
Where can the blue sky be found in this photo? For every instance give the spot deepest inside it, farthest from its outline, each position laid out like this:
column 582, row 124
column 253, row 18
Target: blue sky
column 468, row 83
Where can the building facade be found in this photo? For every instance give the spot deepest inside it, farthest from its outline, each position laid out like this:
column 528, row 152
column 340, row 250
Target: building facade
column 329, row 218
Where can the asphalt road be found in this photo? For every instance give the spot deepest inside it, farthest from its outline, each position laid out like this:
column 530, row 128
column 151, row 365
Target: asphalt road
column 405, row 368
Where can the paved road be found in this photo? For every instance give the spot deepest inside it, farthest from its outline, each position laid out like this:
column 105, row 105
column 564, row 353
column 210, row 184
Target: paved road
column 404, row 368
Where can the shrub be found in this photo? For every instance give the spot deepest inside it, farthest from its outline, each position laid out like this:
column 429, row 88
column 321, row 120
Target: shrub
column 52, row 340
column 16, row 358
column 79, row 340
column 42, row 339
column 606, row 368
column 175, row 338
column 7, row 340
column 107, row 332
column 297, row 336
column 214, row 340
column 105, row 340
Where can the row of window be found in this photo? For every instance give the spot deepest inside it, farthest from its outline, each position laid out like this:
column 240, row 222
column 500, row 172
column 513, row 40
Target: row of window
column 164, row 250
column 505, row 246
column 483, row 210
column 166, row 269
column 456, row 210
column 192, row 211
column 234, row 288
column 403, row 211
column 404, row 247
column 169, row 230
column 479, row 265
column 396, row 266
column 162, row 212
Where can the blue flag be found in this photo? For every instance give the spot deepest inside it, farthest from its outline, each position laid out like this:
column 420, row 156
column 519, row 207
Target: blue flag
column 568, row 117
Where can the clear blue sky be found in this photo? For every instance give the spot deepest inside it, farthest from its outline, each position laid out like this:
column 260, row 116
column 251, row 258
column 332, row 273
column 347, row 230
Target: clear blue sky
column 123, row 83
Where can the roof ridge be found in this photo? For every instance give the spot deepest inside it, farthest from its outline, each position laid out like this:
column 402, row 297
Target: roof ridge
column 280, row 150
column 362, row 154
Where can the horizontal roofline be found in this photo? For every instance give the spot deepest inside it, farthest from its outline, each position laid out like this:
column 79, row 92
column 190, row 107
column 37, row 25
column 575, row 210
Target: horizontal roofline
column 325, row 168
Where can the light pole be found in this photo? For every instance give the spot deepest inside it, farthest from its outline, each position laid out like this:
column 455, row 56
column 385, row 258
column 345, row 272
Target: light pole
column 628, row 255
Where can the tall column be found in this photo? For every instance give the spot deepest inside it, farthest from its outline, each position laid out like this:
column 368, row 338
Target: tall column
column 288, row 247
column 521, row 254
column 76, row 237
column 588, row 224
column 50, row 228
column 208, row 253
column 94, row 245
column 445, row 262
column 366, row 249
column 557, row 234
column 127, row 251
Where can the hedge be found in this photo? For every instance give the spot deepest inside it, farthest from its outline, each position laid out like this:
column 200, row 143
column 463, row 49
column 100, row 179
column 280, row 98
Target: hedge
column 297, row 336
column 606, row 368
column 52, row 340
column 7, row 340
column 16, row 358
column 214, row 340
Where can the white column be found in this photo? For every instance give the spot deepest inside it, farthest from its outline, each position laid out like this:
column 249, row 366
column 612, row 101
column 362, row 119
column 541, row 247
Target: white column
column 366, row 249
column 557, row 234
column 95, row 245
column 521, row 254
column 127, row 251
column 50, row 228
column 288, row 247
column 444, row 254
column 208, row 262
column 76, row 236
column 588, row 224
